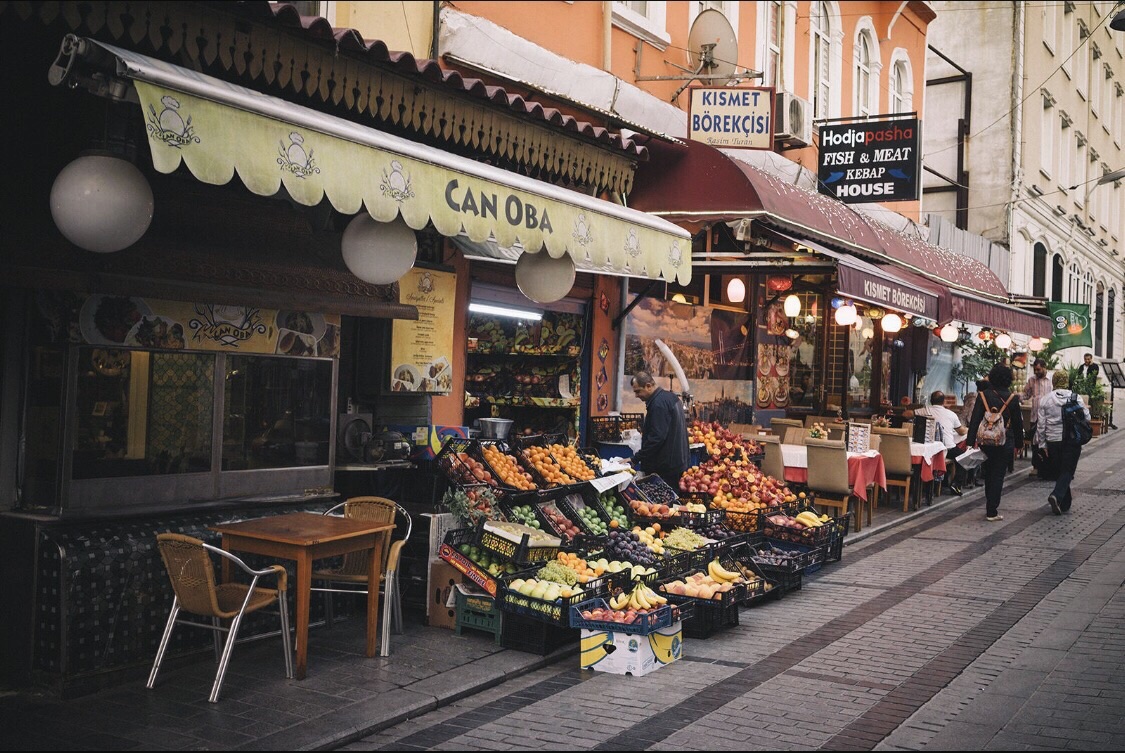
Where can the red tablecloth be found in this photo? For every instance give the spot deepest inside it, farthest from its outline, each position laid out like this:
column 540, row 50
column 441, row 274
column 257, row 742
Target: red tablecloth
column 862, row 471
column 937, row 463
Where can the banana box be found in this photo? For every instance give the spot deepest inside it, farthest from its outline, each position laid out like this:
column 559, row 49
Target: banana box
column 636, row 655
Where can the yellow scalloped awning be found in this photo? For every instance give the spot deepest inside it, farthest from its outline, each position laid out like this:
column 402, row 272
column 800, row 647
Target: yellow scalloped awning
column 218, row 130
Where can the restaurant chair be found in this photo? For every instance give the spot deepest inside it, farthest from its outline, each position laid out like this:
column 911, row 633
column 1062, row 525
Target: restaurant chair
column 828, row 478
column 772, row 462
column 779, row 425
column 835, row 431
column 351, row 576
column 894, row 446
column 188, row 562
column 795, row 435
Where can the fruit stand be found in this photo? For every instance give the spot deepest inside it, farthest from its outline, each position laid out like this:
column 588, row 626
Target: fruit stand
column 568, row 554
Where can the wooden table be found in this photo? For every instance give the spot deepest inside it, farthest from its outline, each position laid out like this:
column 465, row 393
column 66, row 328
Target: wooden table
column 864, row 468
column 304, row 537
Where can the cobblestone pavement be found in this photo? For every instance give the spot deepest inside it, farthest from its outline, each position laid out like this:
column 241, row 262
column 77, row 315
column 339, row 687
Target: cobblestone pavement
column 945, row 632
column 937, row 630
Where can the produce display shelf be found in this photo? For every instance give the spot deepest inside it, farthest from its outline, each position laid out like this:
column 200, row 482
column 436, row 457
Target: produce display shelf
column 708, row 618
column 522, row 553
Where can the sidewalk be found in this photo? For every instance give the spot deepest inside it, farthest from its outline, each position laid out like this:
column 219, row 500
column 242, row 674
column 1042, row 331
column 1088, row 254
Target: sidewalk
column 347, row 697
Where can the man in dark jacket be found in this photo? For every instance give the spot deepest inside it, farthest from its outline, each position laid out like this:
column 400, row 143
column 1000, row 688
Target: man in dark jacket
column 664, row 441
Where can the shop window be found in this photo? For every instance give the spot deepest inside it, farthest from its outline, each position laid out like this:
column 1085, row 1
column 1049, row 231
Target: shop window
column 1099, row 315
column 1111, row 311
column 140, row 413
column 863, row 364
column 276, row 412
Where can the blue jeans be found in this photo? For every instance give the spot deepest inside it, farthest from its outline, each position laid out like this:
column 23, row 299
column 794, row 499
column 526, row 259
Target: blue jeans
column 1064, row 458
column 994, row 469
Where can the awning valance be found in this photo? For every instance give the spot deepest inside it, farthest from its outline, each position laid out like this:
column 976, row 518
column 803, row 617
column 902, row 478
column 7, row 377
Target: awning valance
column 1000, row 316
column 217, row 129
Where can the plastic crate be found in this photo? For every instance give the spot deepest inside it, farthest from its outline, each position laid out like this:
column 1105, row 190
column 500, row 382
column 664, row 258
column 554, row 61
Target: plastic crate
column 556, row 612
column 816, row 554
column 450, row 552
column 534, row 636
column 530, row 499
column 570, row 504
column 657, row 490
column 479, row 612
column 522, row 553
column 643, row 624
column 595, row 499
column 478, row 453
column 810, row 537
column 609, row 428
column 708, row 616
column 735, row 595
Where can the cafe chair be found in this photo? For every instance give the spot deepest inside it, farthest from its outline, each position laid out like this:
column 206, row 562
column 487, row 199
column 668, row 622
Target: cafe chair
column 351, row 576
column 779, row 425
column 189, row 566
column 795, row 435
column 828, row 478
column 894, row 446
column 772, row 462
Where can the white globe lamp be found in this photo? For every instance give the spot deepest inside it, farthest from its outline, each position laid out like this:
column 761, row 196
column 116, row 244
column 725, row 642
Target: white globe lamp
column 101, row 203
column 892, row 323
column 542, row 278
column 846, row 315
column 1035, row 345
column 792, row 306
column 736, row 290
column 378, row 253
column 1003, row 341
column 949, row 333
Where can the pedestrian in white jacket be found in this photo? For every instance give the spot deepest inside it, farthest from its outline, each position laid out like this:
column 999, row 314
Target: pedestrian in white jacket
column 1049, row 432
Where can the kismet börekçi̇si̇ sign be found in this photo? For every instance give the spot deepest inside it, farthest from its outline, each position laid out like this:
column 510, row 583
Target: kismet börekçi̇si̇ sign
column 870, row 161
column 733, row 117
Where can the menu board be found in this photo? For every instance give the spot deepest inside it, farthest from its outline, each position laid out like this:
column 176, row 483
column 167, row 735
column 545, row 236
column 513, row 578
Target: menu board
column 859, row 437
column 422, row 350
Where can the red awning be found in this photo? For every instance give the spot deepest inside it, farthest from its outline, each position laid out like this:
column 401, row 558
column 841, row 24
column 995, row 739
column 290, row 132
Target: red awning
column 695, row 182
column 1000, row 316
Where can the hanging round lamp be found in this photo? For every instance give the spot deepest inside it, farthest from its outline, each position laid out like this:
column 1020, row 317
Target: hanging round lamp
column 891, row 323
column 1035, row 345
column 101, row 203
column 846, row 315
column 736, row 290
column 792, row 305
column 543, row 278
column 376, row 252
column 949, row 333
column 1003, row 341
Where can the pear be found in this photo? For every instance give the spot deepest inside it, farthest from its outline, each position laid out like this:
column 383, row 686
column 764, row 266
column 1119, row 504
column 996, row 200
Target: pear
column 552, row 592
column 528, row 587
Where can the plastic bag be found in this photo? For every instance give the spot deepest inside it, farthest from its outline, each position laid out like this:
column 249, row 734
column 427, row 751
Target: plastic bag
column 971, row 459
column 632, row 438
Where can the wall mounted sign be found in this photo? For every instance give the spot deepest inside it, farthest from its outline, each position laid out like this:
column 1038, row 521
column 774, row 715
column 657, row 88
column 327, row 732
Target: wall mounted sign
column 870, row 160
column 422, row 350
column 732, row 117
column 885, row 291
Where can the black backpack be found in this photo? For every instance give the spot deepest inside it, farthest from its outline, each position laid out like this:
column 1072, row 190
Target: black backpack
column 1076, row 429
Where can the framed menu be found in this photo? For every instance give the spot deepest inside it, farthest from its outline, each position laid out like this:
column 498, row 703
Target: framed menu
column 859, row 437
column 422, row 350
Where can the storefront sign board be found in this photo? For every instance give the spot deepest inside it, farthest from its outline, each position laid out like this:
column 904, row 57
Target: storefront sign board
column 732, row 117
column 885, row 291
column 422, row 350
column 870, row 160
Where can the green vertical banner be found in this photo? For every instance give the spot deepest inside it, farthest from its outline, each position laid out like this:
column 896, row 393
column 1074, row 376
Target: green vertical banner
column 1070, row 324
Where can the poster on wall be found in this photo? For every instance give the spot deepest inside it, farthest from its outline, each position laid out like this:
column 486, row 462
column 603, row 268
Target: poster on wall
column 712, row 346
column 422, row 350
column 134, row 322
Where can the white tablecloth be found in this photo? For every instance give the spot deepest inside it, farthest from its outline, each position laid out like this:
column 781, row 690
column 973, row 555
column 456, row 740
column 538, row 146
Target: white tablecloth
column 797, row 455
column 926, row 450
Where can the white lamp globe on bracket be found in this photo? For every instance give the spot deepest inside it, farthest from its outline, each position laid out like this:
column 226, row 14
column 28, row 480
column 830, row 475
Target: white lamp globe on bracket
column 1035, row 345
column 101, row 203
column 379, row 253
column 891, row 323
column 1003, row 341
column 846, row 315
column 792, row 306
column 736, row 290
column 949, row 333
column 543, row 278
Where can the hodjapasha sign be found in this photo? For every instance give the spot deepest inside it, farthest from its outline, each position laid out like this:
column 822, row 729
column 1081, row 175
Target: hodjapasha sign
column 870, row 161
column 738, row 118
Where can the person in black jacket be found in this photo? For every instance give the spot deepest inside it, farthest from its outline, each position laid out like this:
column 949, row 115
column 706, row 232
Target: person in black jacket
column 998, row 457
column 664, row 440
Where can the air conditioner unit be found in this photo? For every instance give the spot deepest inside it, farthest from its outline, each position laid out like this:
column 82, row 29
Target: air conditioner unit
column 793, row 119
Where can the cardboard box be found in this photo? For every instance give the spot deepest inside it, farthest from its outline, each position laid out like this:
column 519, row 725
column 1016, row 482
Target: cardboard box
column 636, row 655
column 443, row 579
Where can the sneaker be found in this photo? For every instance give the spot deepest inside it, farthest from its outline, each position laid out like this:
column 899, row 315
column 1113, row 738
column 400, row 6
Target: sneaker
column 956, row 489
column 1053, row 501
column 993, row 518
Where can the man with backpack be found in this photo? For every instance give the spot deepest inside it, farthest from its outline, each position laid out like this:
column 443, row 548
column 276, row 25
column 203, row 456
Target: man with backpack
column 996, row 427
column 1063, row 425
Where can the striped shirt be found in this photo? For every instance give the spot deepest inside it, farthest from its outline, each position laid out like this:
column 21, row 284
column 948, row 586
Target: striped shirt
column 1035, row 389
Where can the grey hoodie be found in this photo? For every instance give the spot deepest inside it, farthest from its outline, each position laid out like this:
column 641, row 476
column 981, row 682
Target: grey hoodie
column 1050, row 428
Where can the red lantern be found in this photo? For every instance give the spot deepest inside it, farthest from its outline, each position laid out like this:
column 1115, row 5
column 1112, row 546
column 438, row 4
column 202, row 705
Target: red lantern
column 778, row 283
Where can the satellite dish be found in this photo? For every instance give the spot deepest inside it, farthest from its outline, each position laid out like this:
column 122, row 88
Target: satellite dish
column 713, row 47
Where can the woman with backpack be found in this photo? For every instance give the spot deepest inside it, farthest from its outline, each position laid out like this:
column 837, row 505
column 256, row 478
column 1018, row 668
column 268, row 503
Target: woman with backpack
column 1063, row 448
column 996, row 427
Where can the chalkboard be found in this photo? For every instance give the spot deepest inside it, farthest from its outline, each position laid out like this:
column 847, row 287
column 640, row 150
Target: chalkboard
column 1114, row 374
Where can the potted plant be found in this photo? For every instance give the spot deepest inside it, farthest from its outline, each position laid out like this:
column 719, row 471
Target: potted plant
column 1094, row 390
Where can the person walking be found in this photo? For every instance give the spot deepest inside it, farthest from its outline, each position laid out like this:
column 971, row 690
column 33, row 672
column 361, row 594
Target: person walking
column 1061, row 453
column 1037, row 386
column 996, row 398
column 664, row 440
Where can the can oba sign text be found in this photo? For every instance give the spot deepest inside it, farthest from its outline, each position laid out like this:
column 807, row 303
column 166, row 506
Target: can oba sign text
column 871, row 160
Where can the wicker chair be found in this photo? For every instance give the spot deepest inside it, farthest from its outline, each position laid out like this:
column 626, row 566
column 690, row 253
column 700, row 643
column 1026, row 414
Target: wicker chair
column 828, row 478
column 351, row 576
column 894, row 446
column 772, row 463
column 188, row 562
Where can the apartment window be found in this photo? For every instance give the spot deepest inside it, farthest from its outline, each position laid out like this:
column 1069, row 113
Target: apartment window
column 1096, row 79
column 1050, row 30
column 1066, row 44
column 1039, row 271
column 644, row 19
column 901, row 94
column 863, row 76
column 821, row 25
column 775, row 38
column 1112, row 308
column 1082, row 61
column 1118, row 112
column 1047, row 135
column 1066, row 150
column 1080, row 172
column 1099, row 314
column 1057, row 277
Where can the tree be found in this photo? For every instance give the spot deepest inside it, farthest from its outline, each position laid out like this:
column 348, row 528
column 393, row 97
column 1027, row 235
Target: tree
column 977, row 359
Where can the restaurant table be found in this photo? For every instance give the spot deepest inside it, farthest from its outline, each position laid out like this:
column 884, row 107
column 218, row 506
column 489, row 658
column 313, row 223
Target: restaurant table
column 304, row 537
column 927, row 458
column 864, row 468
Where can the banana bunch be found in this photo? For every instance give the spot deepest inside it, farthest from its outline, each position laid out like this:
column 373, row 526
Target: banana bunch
column 810, row 519
column 641, row 597
column 721, row 575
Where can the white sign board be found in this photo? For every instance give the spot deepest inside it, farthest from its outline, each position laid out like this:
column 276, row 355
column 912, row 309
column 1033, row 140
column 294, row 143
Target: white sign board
column 733, row 117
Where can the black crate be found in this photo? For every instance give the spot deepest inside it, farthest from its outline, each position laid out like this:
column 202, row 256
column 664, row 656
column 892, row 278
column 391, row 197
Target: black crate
column 609, row 428
column 534, row 636
column 570, row 504
column 595, row 499
column 555, row 612
column 522, row 553
column 810, row 537
column 530, row 499
column 658, row 491
column 708, row 616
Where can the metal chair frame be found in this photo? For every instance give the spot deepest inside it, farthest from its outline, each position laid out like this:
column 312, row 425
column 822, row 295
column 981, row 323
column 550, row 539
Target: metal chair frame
column 217, row 614
column 392, row 596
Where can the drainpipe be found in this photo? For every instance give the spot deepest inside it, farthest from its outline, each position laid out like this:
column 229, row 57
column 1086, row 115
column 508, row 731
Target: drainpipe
column 607, row 29
column 1017, row 134
column 435, row 30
